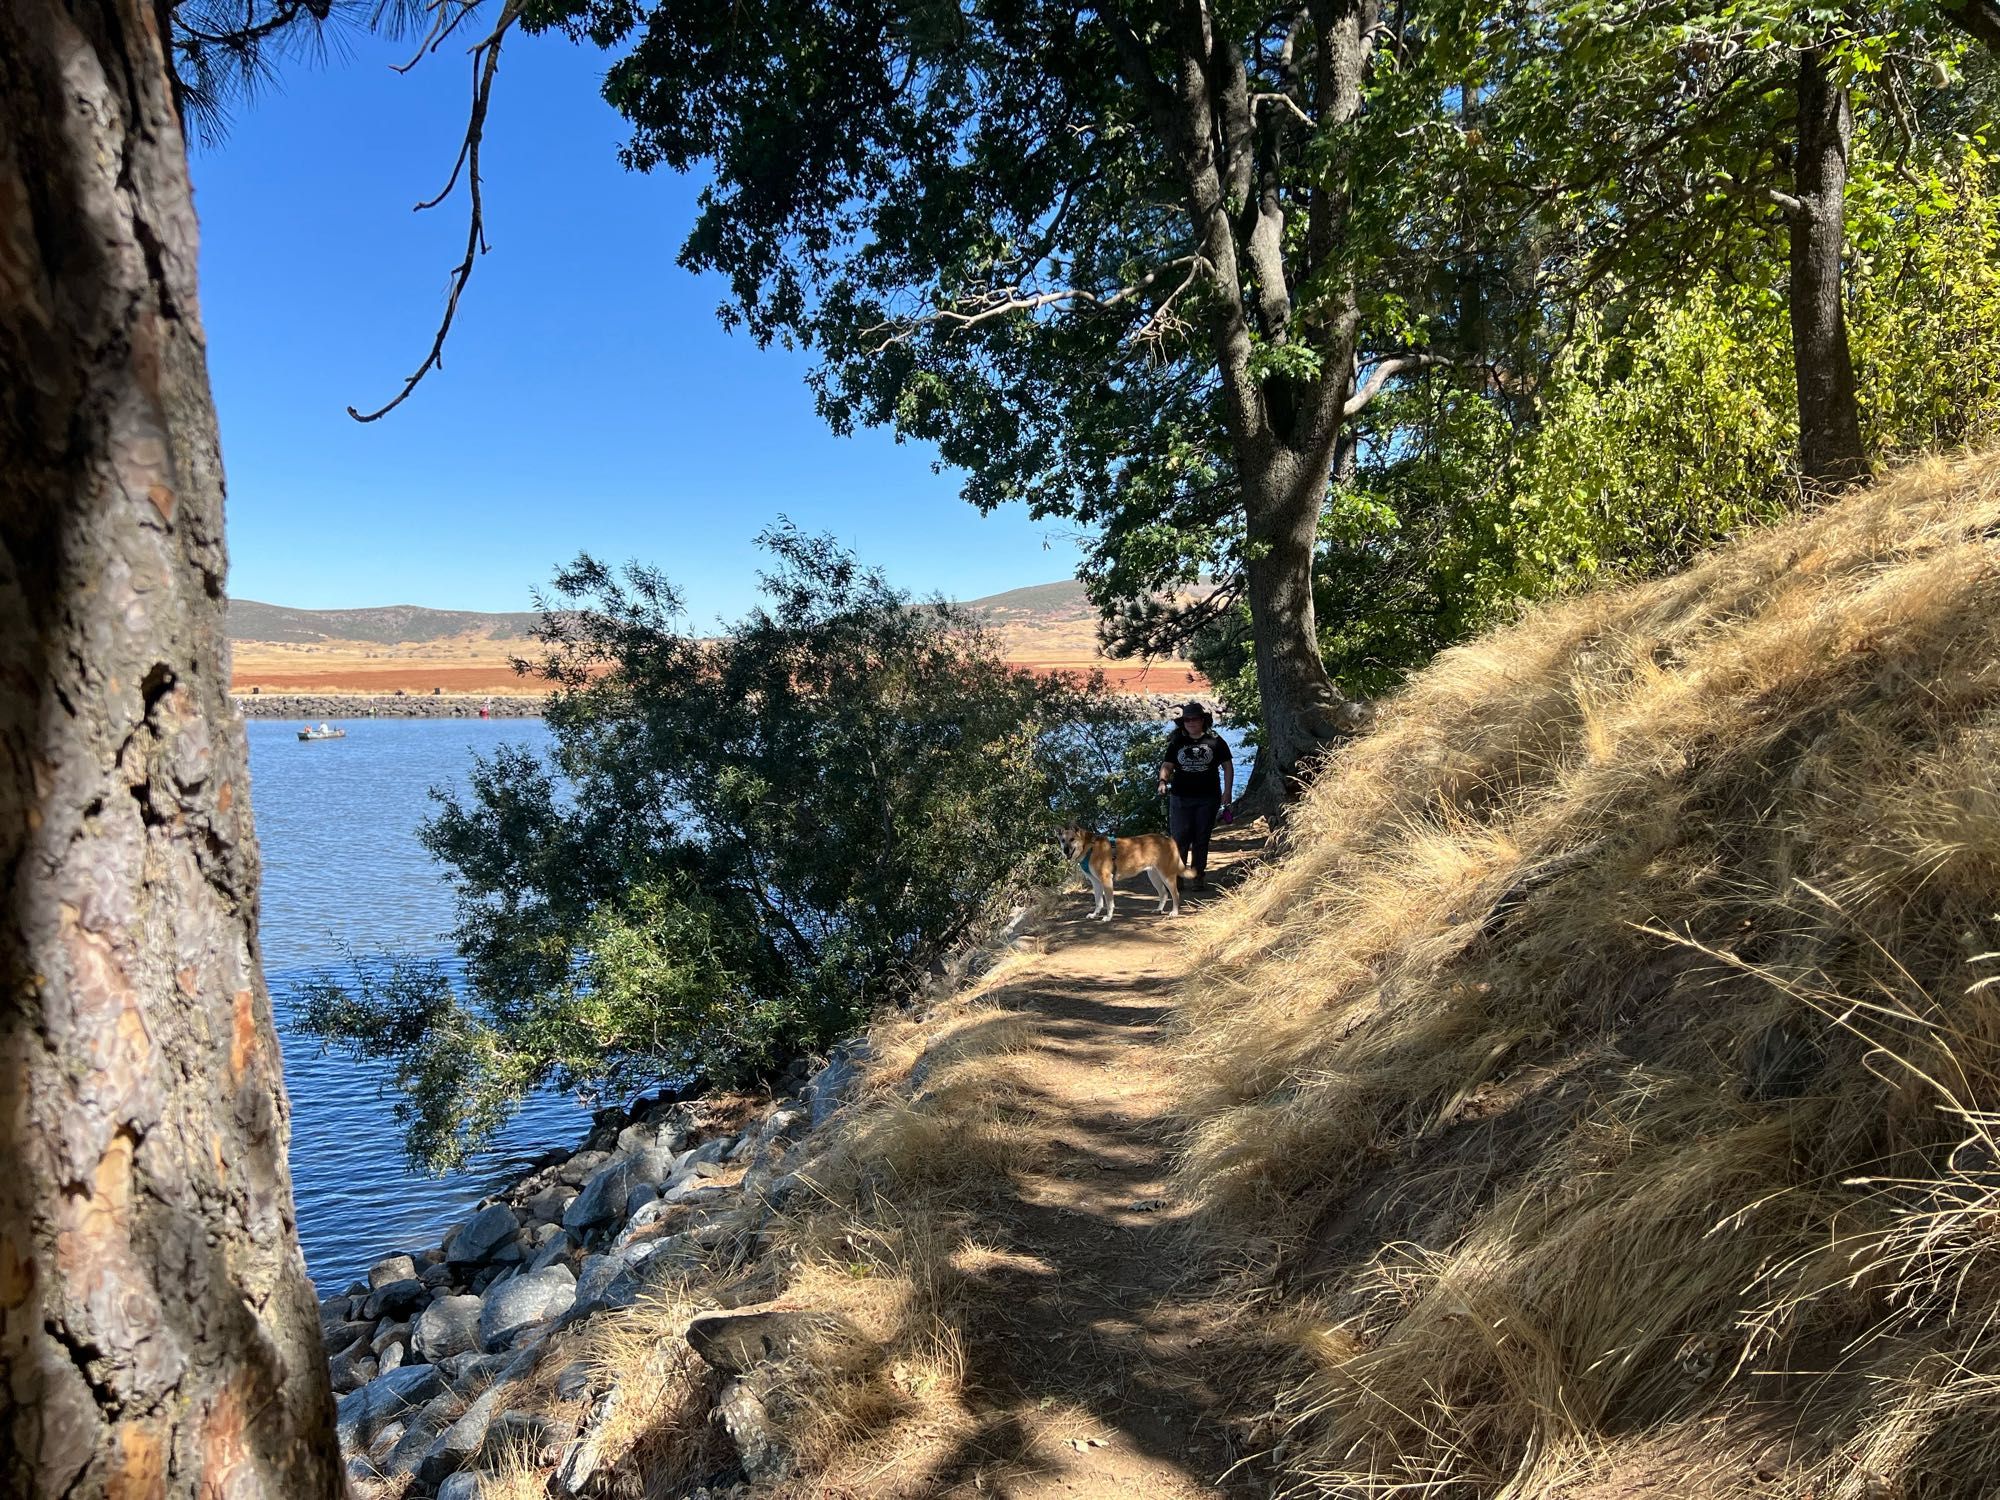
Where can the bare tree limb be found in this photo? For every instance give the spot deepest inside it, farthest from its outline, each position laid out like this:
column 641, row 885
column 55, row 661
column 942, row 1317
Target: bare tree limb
column 1000, row 301
column 1791, row 206
column 1386, row 370
column 485, row 58
column 1286, row 101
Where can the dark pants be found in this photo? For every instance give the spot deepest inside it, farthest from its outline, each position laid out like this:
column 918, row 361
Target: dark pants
column 1192, row 820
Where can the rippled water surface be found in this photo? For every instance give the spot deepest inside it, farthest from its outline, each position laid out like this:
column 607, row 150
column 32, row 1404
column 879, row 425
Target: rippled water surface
column 343, row 872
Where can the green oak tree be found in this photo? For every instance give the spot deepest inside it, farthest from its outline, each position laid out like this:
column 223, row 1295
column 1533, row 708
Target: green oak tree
column 1124, row 264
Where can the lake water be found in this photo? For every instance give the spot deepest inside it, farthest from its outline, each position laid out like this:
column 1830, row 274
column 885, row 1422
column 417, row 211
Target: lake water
column 344, row 873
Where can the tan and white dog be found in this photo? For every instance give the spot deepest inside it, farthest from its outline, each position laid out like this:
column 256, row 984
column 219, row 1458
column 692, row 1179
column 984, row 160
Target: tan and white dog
column 1105, row 860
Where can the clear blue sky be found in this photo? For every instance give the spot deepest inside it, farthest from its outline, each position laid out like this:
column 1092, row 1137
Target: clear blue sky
column 589, row 398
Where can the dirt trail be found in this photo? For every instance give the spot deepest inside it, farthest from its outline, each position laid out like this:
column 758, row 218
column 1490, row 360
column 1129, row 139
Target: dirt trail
column 1089, row 1354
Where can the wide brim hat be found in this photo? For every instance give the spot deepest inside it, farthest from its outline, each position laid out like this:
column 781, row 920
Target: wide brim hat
column 1195, row 711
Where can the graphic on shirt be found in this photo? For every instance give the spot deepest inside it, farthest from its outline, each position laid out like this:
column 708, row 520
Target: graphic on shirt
column 1198, row 756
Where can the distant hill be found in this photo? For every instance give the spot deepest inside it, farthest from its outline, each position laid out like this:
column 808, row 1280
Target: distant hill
column 405, row 647
column 1063, row 600
column 413, row 624
column 388, row 625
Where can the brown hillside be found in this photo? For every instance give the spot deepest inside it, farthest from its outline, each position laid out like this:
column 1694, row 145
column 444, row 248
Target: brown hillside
column 1600, row 1097
column 1050, row 628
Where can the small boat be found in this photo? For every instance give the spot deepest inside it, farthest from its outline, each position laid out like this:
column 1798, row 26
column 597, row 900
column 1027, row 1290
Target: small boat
column 322, row 733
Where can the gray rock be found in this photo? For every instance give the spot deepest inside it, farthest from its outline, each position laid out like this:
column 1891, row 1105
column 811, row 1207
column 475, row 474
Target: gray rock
column 393, row 1268
column 652, row 1166
column 641, row 1194
column 359, row 1416
column 524, row 1302
column 463, row 1485
column 391, row 1358
column 481, row 1236
column 395, row 1299
column 517, row 1431
column 557, row 1251
column 694, row 1191
column 447, row 1327
column 644, row 1219
column 539, row 1235
column 457, row 1444
column 747, row 1420
column 389, row 1334
column 355, row 1368
column 420, row 1432
column 709, row 1151
column 737, row 1342
column 435, row 1276
column 342, row 1336
column 464, row 1371
column 832, row 1084
column 579, row 1167
column 336, row 1310
column 598, row 1273
column 546, row 1207
column 601, row 1201
column 572, row 1380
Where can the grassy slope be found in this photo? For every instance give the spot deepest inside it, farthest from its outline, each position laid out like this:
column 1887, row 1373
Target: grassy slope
column 1597, row 1098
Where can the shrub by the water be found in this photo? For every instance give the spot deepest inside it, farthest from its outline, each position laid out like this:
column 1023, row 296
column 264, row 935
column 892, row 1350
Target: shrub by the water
column 735, row 847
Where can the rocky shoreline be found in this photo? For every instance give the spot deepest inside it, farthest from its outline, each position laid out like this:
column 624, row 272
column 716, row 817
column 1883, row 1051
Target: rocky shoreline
column 317, row 706
column 452, row 1362
column 433, row 1356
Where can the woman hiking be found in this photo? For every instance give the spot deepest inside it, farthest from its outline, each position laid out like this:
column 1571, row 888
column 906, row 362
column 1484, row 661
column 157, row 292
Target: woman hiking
column 1198, row 774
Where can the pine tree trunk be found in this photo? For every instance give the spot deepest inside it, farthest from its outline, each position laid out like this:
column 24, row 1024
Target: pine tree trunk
column 1830, row 452
column 158, row 1335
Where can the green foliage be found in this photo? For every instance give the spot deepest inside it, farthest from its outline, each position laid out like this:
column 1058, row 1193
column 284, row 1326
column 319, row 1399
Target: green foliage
column 735, row 847
column 1656, row 442
column 1663, row 425
column 1925, row 300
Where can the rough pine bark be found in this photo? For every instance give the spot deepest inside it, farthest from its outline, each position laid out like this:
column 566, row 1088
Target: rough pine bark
column 1830, row 452
column 158, row 1335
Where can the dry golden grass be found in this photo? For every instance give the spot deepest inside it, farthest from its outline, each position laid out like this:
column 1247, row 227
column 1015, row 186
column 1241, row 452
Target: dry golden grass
column 1607, row 1060
column 879, row 1239
column 884, row 1240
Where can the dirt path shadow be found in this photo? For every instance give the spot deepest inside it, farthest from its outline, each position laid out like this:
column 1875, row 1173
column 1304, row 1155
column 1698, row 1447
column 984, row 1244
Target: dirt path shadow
column 1093, row 1346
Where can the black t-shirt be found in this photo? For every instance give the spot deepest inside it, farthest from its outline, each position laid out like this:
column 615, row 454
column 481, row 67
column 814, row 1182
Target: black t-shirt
column 1197, row 762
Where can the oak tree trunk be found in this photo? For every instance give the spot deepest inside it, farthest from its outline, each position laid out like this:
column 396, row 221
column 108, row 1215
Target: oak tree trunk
column 1830, row 452
column 1302, row 712
column 158, row 1335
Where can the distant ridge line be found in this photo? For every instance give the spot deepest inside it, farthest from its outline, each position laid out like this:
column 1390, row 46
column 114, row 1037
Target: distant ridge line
column 414, row 624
